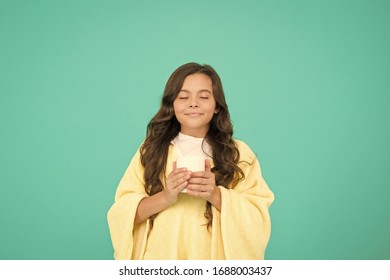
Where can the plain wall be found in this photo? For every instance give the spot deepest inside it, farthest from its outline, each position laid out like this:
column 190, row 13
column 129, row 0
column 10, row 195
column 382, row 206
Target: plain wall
column 307, row 84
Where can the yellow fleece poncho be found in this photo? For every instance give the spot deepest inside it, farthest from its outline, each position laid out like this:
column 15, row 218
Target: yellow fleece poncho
column 240, row 231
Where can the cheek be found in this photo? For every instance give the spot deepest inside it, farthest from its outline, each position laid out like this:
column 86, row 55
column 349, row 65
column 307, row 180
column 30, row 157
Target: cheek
column 211, row 107
column 177, row 107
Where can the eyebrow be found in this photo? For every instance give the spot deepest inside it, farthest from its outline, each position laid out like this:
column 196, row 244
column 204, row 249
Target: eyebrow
column 202, row 90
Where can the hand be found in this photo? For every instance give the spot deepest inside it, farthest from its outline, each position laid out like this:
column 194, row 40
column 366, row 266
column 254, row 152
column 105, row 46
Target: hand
column 176, row 182
column 202, row 184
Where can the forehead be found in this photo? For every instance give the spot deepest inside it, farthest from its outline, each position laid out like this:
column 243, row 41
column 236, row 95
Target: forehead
column 197, row 81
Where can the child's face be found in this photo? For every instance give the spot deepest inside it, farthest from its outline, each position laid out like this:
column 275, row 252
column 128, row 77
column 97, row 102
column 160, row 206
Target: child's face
column 195, row 105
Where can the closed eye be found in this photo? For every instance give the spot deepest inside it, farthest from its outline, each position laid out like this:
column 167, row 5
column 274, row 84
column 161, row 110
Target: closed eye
column 204, row 98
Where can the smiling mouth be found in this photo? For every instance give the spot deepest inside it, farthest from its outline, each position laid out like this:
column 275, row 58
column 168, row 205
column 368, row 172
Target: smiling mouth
column 193, row 114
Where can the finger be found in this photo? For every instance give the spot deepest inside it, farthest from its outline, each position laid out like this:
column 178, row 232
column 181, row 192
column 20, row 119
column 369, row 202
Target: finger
column 180, row 175
column 180, row 178
column 182, row 186
column 176, row 171
column 207, row 165
column 199, row 188
column 194, row 187
column 197, row 193
column 174, row 165
column 198, row 181
column 201, row 174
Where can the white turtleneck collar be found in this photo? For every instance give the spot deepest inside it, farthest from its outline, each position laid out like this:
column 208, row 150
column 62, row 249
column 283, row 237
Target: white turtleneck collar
column 192, row 146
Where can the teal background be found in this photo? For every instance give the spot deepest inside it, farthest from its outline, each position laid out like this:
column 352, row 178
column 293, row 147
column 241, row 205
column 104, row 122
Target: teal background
column 307, row 83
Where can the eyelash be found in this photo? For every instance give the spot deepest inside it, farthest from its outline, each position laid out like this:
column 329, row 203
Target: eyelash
column 187, row 98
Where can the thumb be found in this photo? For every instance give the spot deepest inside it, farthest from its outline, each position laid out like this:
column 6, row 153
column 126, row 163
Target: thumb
column 174, row 165
column 207, row 165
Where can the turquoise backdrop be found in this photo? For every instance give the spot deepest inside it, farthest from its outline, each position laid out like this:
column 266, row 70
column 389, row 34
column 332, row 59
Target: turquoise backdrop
column 308, row 88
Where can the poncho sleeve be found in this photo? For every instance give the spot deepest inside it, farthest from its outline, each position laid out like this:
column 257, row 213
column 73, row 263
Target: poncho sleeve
column 242, row 229
column 128, row 239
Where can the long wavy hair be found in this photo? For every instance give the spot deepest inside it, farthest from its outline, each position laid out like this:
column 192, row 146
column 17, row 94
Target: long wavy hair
column 164, row 127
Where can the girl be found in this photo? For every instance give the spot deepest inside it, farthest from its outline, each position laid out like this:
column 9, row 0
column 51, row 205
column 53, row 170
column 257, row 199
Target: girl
column 165, row 212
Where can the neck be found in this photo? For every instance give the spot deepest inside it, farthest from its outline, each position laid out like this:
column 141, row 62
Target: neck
column 194, row 132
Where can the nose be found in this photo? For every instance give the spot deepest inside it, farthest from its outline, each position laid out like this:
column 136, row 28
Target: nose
column 193, row 103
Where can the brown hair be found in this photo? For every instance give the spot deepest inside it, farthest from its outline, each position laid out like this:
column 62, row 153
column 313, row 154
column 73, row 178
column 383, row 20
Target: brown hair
column 164, row 127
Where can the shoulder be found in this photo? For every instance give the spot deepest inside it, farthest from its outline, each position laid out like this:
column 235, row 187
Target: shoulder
column 246, row 153
column 136, row 160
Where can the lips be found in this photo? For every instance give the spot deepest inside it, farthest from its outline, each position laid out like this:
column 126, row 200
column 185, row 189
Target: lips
column 193, row 114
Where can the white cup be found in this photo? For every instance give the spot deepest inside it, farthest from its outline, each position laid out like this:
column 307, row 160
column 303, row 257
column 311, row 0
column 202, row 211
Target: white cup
column 192, row 163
